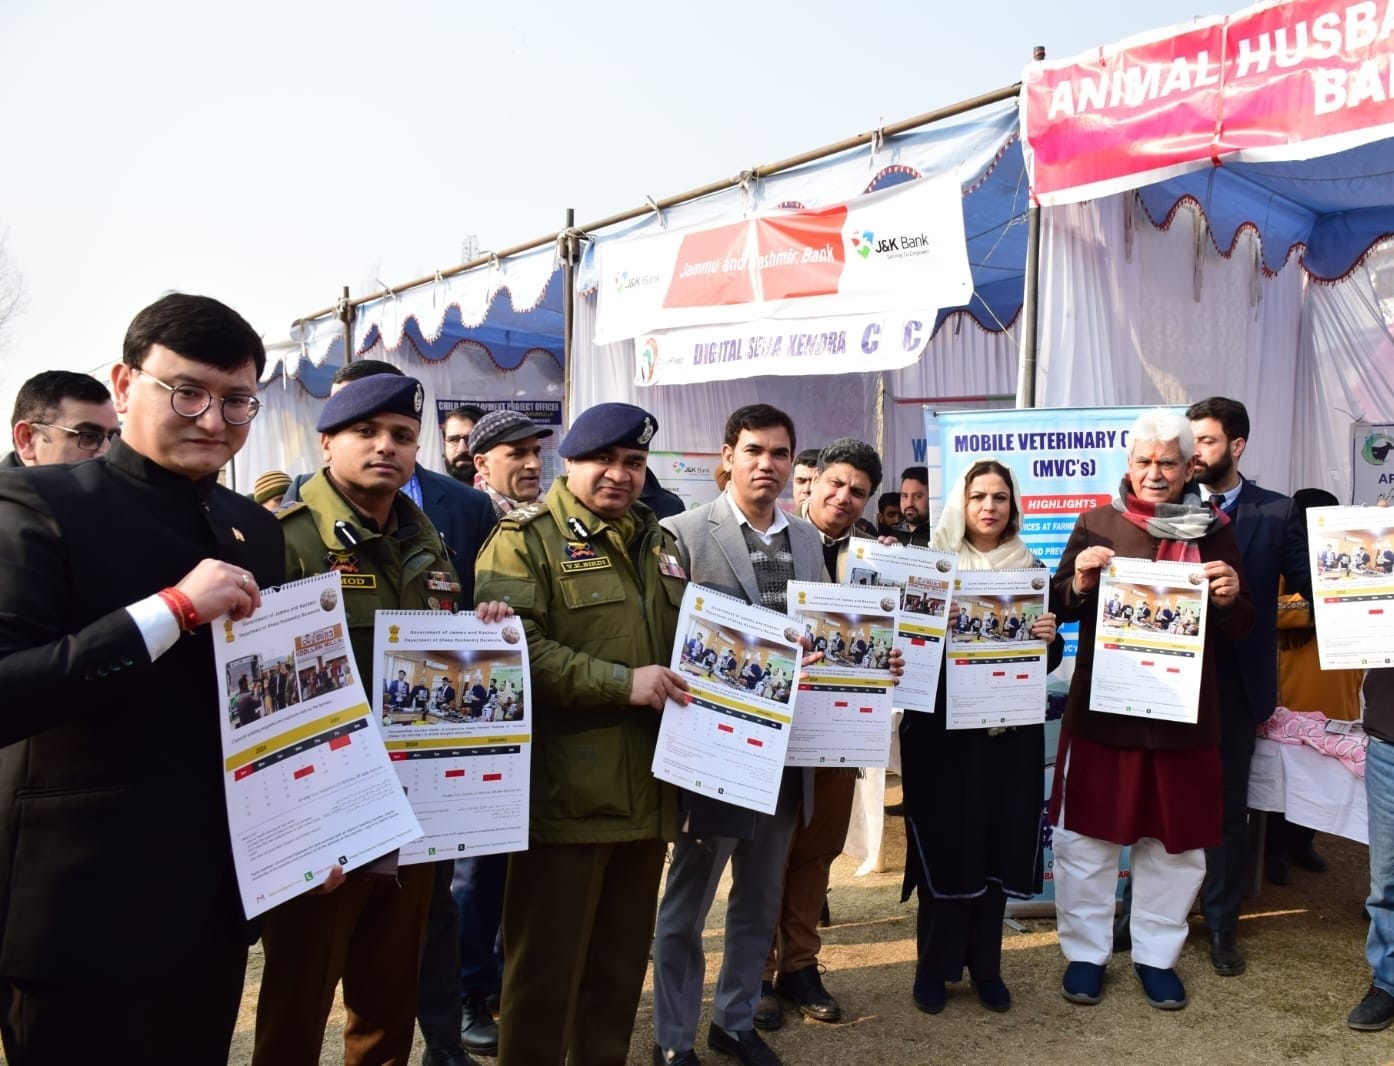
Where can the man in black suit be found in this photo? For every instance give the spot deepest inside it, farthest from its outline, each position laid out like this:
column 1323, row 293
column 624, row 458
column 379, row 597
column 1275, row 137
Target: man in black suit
column 110, row 750
column 1272, row 544
column 279, row 684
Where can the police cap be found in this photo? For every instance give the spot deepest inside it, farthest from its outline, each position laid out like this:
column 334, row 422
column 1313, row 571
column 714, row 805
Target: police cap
column 608, row 425
column 381, row 394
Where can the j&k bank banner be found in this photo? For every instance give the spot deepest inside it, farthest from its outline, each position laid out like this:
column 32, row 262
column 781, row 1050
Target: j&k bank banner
column 1275, row 81
column 789, row 292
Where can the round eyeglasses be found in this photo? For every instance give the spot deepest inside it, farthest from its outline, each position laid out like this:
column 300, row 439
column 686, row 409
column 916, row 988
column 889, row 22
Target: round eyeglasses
column 88, row 440
column 190, row 401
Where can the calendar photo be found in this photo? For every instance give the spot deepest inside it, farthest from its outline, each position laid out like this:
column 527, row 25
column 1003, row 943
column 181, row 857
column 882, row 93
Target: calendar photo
column 994, row 617
column 740, row 661
column 440, row 687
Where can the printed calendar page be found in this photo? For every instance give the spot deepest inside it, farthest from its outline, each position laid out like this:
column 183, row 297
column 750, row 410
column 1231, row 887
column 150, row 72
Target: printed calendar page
column 994, row 669
column 307, row 778
column 741, row 663
column 1150, row 640
column 455, row 704
column 845, row 700
column 924, row 578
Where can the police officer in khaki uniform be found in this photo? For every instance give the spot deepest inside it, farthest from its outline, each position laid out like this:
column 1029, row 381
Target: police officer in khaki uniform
column 353, row 519
column 598, row 586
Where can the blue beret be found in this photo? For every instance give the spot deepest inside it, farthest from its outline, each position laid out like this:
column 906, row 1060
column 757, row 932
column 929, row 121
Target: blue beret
column 381, row 394
column 608, row 425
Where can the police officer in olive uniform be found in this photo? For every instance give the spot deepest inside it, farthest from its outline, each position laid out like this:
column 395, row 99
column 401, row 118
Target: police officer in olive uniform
column 353, row 519
column 597, row 584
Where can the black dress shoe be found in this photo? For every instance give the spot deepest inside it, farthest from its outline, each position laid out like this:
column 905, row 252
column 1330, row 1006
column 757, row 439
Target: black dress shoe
column 1374, row 1012
column 806, row 989
column 675, row 1058
column 745, row 1045
column 769, row 1012
column 478, row 1031
column 1275, row 868
column 993, row 994
column 1305, row 857
column 447, row 1056
column 1225, row 955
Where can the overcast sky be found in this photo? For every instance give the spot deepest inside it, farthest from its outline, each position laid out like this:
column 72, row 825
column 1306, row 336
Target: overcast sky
column 270, row 153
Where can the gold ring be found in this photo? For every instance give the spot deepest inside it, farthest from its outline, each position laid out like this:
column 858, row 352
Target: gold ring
column 243, row 582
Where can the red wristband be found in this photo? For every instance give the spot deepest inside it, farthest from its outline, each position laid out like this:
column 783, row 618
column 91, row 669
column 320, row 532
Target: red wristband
column 182, row 606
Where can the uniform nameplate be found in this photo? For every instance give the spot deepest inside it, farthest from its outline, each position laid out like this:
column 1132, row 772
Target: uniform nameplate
column 358, row 581
column 578, row 565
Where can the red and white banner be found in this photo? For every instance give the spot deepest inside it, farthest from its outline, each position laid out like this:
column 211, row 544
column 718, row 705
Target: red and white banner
column 1282, row 81
column 899, row 248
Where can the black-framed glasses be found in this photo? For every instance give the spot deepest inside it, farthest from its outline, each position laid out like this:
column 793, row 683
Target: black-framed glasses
column 88, row 440
column 190, row 401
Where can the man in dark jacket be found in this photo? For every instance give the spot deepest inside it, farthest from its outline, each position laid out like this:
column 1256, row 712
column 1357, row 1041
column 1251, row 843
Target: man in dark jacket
column 1273, row 545
column 110, row 749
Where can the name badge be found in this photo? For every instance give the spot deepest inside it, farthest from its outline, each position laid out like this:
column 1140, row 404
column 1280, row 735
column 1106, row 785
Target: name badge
column 576, row 565
column 358, row 581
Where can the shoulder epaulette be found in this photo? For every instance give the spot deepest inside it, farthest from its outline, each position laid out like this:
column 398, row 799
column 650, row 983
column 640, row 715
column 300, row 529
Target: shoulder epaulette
column 282, row 513
column 521, row 516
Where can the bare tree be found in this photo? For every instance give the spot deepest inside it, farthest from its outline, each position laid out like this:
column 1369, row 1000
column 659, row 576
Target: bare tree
column 12, row 288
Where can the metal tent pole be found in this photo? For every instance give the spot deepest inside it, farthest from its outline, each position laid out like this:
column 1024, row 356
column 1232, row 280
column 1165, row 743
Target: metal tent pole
column 1026, row 372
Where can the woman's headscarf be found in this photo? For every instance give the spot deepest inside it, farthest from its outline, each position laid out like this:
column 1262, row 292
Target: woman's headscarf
column 1011, row 552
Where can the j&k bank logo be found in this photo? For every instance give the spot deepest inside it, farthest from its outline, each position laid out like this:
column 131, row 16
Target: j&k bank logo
column 624, row 281
column 866, row 243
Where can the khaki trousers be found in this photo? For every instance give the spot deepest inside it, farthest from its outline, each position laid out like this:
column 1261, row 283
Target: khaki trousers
column 367, row 933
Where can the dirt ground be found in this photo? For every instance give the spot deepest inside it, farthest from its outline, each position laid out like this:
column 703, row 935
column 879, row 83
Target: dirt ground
column 1305, row 944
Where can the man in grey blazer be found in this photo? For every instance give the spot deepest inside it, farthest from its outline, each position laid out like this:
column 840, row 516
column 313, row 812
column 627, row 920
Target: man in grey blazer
column 741, row 544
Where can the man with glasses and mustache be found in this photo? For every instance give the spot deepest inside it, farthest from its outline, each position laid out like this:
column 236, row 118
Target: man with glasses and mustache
column 60, row 417
column 119, row 911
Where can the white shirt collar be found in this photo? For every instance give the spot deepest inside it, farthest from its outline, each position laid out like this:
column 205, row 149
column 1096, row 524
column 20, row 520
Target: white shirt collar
column 781, row 520
column 1206, row 492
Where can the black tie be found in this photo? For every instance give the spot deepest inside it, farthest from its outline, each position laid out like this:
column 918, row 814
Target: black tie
column 1217, row 501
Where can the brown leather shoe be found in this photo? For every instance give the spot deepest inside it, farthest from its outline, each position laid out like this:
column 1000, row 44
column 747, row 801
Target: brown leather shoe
column 769, row 1012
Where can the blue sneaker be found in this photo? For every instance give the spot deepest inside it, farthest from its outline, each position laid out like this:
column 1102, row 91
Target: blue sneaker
column 1083, row 983
column 1162, row 988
